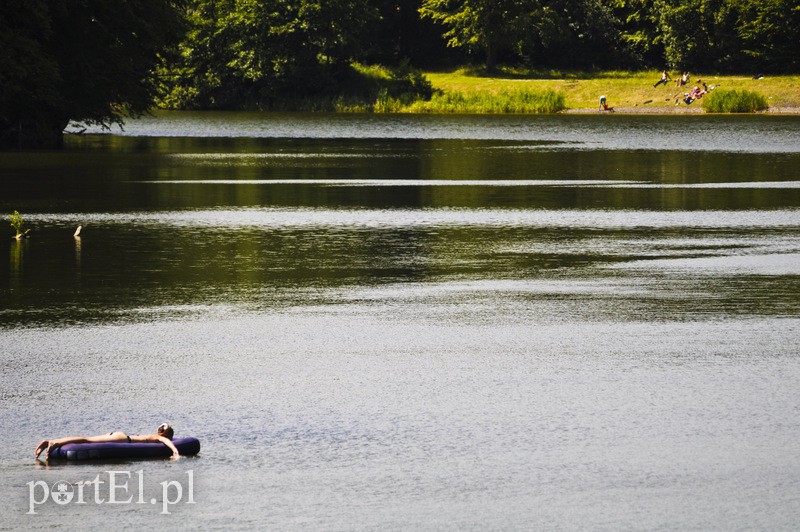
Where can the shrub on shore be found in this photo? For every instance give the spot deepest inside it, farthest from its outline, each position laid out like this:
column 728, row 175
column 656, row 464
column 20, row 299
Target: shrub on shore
column 734, row 101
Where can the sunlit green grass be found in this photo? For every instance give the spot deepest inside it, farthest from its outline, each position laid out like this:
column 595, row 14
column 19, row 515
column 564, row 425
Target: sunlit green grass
column 622, row 88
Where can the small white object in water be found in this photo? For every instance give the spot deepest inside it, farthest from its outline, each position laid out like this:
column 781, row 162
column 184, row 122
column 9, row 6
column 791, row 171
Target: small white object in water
column 78, row 231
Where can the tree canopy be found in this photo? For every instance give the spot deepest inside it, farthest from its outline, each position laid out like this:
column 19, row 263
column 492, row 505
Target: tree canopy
column 242, row 53
column 481, row 25
column 724, row 35
column 89, row 61
column 731, row 35
column 572, row 33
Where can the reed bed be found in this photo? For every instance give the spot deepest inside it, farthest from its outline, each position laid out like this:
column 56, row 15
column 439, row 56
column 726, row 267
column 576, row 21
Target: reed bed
column 506, row 101
column 734, row 101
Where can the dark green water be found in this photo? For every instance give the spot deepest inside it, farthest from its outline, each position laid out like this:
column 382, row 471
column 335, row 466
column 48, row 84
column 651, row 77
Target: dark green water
column 196, row 220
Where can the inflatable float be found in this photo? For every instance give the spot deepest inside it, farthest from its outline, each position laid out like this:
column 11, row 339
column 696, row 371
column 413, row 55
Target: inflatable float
column 117, row 450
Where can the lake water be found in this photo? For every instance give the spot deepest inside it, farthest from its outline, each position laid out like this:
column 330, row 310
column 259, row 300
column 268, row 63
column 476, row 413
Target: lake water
column 412, row 322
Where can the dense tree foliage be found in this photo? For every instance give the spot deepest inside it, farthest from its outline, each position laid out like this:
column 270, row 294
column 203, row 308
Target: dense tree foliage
column 247, row 53
column 486, row 25
column 770, row 31
column 81, row 60
column 400, row 34
column 731, row 35
column 574, row 33
column 723, row 35
column 639, row 31
column 98, row 61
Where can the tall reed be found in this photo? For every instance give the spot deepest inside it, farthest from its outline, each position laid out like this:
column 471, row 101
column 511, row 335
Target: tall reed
column 520, row 101
column 734, row 101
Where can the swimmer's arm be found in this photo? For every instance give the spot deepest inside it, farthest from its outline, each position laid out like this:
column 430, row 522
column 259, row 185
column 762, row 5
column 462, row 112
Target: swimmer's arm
column 155, row 438
column 168, row 443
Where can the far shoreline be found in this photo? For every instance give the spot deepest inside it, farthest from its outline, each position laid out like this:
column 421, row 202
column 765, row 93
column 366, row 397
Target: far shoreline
column 677, row 110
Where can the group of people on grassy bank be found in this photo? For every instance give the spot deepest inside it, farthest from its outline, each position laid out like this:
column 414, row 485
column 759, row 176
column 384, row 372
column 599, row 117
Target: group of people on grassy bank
column 724, row 101
column 688, row 97
column 666, row 78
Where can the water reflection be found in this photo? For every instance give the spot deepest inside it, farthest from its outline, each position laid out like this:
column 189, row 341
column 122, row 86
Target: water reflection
column 121, row 174
column 77, row 254
column 203, row 222
column 16, row 256
column 256, row 259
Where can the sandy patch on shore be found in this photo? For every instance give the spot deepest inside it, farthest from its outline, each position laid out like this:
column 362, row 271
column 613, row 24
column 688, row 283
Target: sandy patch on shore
column 640, row 110
column 675, row 110
column 783, row 110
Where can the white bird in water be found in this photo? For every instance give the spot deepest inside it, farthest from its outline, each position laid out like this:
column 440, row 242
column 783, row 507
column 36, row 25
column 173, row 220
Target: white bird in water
column 78, row 231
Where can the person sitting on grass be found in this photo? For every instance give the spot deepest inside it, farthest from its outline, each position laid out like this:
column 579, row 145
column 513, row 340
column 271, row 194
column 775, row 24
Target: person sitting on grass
column 683, row 80
column 664, row 78
column 164, row 434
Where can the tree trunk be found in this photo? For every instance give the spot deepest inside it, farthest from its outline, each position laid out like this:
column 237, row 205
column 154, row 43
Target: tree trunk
column 491, row 57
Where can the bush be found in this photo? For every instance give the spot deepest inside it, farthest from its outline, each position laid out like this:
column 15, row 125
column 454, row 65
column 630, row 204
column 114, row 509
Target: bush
column 733, row 101
column 407, row 82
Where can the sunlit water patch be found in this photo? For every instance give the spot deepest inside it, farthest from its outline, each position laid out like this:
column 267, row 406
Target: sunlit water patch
column 703, row 244
column 399, row 182
column 752, row 264
column 276, row 218
column 771, row 134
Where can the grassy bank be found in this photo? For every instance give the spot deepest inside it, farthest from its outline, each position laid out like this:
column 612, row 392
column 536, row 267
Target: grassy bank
column 370, row 88
column 405, row 90
column 623, row 89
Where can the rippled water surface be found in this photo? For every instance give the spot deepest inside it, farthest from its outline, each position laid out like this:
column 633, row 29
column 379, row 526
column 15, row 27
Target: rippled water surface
column 408, row 322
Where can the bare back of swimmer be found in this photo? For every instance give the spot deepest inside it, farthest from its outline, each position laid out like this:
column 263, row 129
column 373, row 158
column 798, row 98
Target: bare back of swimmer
column 163, row 435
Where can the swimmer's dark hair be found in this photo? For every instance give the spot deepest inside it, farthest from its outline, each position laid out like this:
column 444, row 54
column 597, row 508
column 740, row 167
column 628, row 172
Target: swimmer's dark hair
column 166, row 430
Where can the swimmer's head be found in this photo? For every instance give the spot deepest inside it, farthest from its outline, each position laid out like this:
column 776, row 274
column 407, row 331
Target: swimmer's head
column 165, row 429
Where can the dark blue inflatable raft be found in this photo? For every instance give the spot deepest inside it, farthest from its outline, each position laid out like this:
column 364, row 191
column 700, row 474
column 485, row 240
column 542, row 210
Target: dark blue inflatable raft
column 116, row 450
